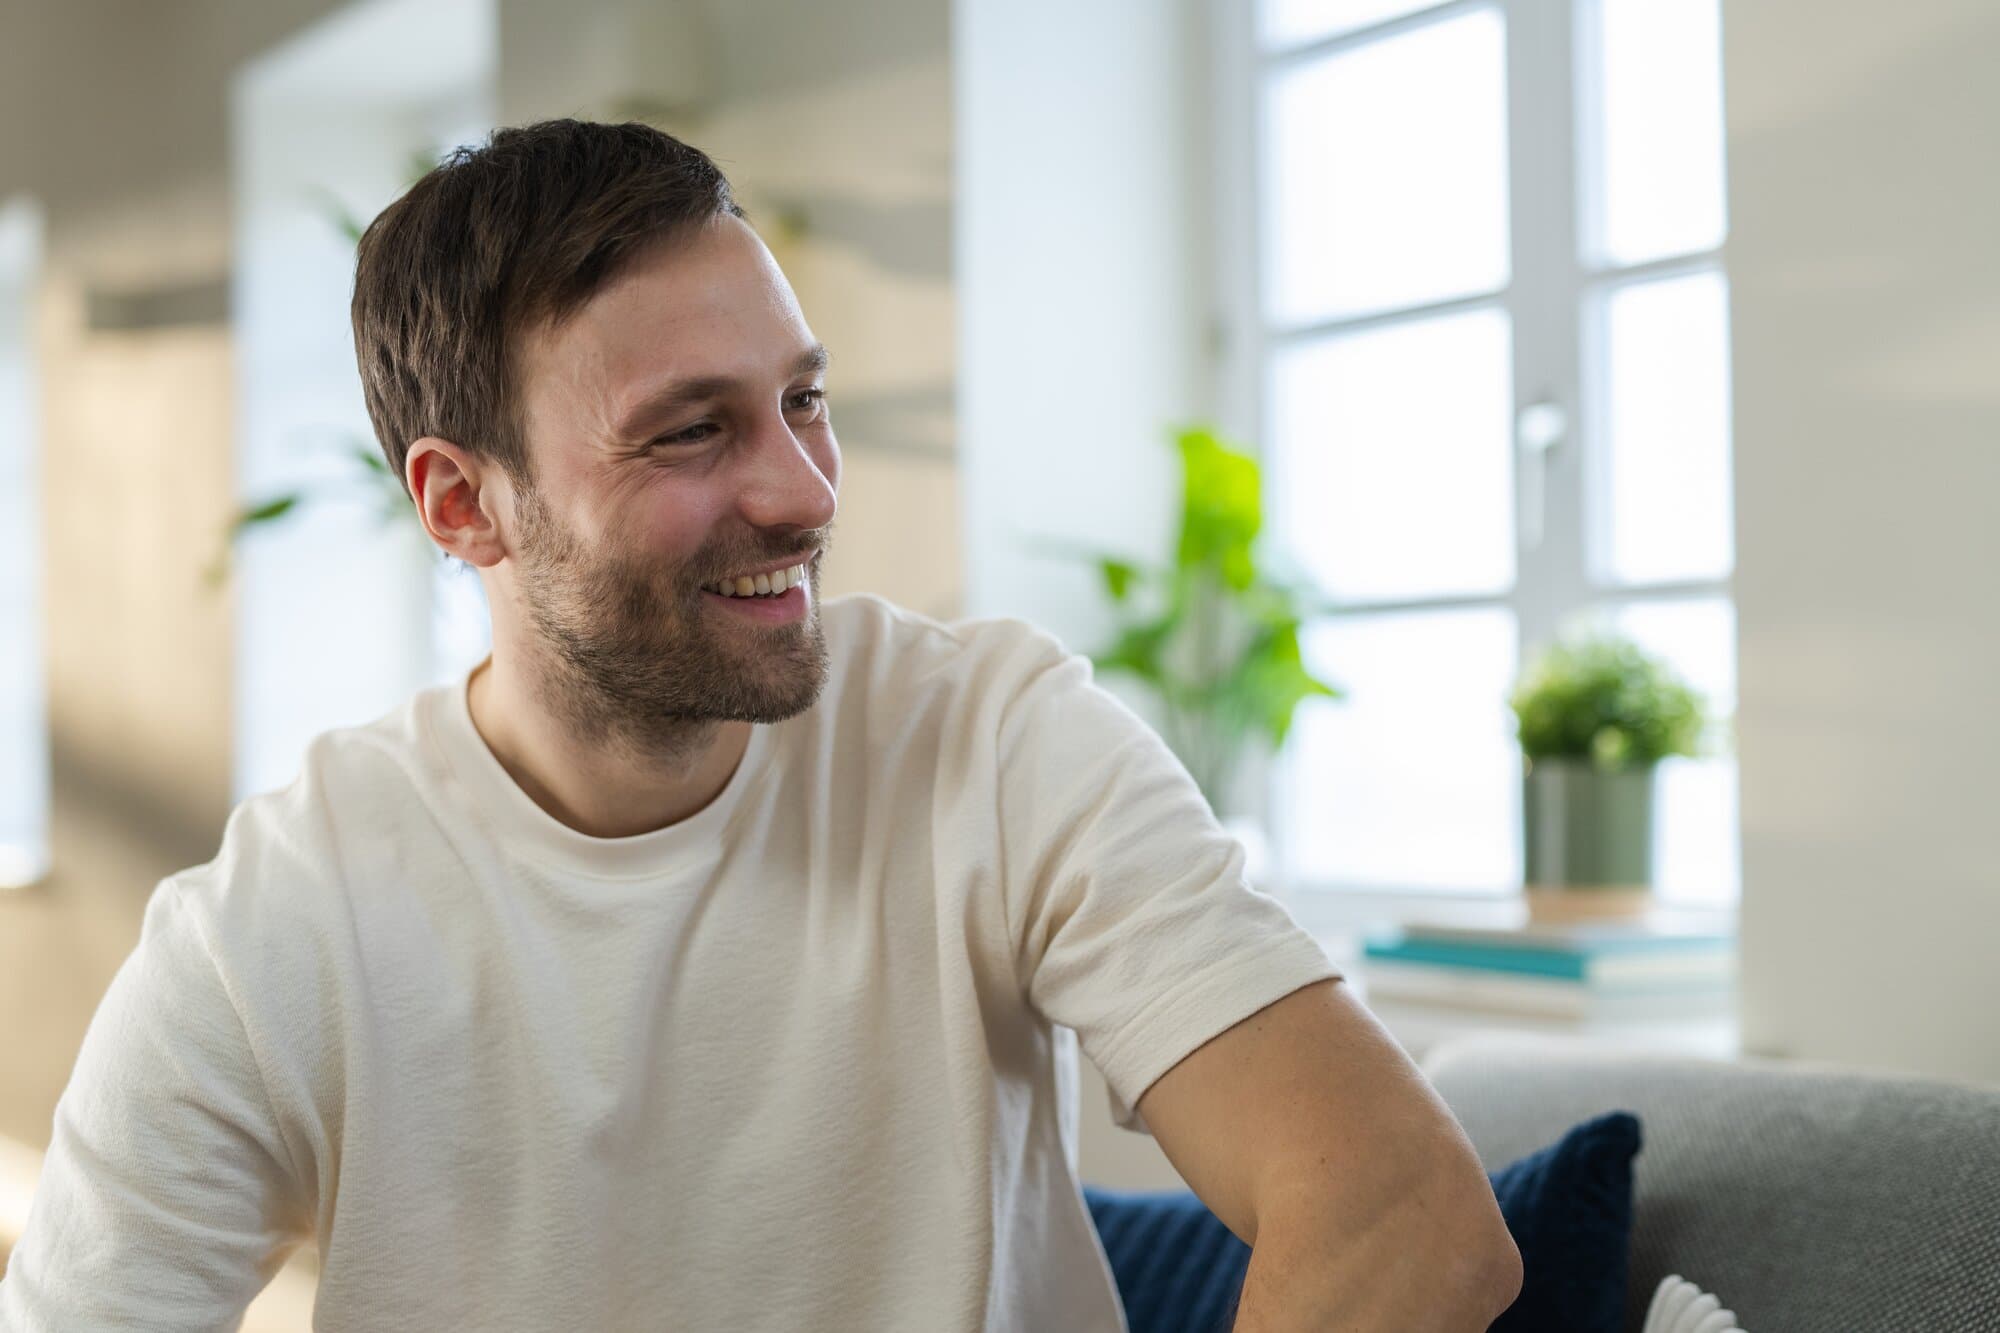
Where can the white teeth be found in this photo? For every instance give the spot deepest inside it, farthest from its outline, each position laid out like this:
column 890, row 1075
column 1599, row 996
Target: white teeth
column 760, row 585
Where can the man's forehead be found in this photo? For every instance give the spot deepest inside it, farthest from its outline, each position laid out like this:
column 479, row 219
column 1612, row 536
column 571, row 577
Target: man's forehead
column 710, row 309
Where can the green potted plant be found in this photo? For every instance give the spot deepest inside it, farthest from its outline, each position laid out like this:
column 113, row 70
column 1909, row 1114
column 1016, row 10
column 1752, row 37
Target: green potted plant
column 1596, row 715
column 1211, row 633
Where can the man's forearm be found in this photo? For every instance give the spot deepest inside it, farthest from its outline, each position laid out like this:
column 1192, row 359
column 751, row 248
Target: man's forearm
column 1426, row 1267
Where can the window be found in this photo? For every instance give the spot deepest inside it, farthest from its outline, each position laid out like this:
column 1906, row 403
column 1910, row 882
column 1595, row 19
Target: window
column 24, row 732
column 1488, row 362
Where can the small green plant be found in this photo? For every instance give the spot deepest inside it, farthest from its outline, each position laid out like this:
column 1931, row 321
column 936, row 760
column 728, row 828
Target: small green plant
column 1602, row 699
column 1212, row 634
column 373, row 477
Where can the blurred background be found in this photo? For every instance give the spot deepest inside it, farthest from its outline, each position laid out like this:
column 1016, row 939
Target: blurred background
column 1676, row 318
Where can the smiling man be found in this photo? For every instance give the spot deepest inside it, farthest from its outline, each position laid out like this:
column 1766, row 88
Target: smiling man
column 709, row 957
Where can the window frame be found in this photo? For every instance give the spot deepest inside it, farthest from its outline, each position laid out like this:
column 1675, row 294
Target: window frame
column 1556, row 283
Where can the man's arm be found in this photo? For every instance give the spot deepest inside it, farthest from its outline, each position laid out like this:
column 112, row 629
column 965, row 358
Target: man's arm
column 166, row 1200
column 1310, row 1134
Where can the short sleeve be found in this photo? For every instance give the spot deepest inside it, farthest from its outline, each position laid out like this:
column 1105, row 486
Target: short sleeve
column 165, row 1201
column 1129, row 909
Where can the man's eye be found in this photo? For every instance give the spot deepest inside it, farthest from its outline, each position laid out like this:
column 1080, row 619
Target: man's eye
column 807, row 400
column 694, row 434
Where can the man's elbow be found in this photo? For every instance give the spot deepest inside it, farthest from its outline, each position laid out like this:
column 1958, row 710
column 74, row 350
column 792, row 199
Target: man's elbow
column 1492, row 1272
column 1441, row 1260
column 1503, row 1284
column 1475, row 1262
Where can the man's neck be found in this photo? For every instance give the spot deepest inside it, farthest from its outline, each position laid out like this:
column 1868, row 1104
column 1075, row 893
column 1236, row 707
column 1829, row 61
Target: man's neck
column 600, row 791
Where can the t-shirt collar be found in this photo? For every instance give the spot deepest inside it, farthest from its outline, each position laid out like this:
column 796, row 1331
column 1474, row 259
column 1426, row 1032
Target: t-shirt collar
column 522, row 826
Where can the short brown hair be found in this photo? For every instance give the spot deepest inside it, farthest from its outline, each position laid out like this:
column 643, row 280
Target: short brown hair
column 498, row 239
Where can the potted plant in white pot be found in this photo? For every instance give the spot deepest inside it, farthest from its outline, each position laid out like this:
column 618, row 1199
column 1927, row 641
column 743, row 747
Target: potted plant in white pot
column 1210, row 632
column 1597, row 714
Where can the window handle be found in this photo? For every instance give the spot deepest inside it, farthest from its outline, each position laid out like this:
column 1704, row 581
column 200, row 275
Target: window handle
column 1540, row 427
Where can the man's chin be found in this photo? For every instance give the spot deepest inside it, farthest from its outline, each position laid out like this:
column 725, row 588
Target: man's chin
column 783, row 680
column 779, row 700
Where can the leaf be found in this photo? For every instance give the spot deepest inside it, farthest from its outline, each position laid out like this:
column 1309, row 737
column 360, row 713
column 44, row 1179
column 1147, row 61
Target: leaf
column 1221, row 506
column 1119, row 575
column 267, row 512
column 1604, row 699
column 420, row 164
column 1223, row 655
column 1139, row 650
column 337, row 214
column 1266, row 687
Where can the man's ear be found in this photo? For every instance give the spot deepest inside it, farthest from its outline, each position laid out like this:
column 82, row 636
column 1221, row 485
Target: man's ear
column 459, row 498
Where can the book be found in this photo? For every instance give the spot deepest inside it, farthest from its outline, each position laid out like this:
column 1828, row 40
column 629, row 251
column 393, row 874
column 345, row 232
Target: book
column 1653, row 936
column 1546, row 997
column 1694, row 961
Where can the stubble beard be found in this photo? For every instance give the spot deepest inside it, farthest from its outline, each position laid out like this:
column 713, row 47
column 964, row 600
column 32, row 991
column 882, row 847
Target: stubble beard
column 633, row 657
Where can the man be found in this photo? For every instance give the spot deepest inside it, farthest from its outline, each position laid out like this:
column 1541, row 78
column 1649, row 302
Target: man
column 707, row 959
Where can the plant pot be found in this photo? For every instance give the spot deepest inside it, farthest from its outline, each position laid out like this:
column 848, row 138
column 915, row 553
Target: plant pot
column 1588, row 830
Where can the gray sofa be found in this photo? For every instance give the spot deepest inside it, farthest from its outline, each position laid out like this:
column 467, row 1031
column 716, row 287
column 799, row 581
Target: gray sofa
column 1808, row 1199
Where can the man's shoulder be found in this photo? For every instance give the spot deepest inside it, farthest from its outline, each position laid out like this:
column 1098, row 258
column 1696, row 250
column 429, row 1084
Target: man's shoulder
column 888, row 647
column 289, row 856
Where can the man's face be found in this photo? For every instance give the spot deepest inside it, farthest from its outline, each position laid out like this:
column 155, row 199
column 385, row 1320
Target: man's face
column 678, row 434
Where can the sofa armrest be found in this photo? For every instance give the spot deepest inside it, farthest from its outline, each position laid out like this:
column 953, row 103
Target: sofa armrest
column 1804, row 1196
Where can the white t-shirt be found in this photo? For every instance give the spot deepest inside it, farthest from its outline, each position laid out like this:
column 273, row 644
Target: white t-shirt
column 803, row 1060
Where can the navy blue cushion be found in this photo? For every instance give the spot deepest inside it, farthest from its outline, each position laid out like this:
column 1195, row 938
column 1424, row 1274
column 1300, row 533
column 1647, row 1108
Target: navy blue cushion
column 1569, row 1207
column 1177, row 1267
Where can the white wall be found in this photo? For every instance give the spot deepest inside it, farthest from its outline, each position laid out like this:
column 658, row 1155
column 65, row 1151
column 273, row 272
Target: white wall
column 337, row 119
column 1083, row 287
column 1865, row 265
column 834, row 125
column 1083, row 322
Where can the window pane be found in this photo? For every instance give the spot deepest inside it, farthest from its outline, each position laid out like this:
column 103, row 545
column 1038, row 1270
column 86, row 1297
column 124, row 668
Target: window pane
column 1412, row 780
column 1391, row 458
column 1697, row 845
column 24, row 758
column 1387, row 173
column 1655, row 127
column 1664, row 510
column 1292, row 22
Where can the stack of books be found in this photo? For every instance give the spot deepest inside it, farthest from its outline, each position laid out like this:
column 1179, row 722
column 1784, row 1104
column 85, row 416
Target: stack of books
column 1559, row 970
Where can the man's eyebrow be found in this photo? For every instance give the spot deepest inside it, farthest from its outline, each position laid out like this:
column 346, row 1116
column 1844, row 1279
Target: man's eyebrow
column 683, row 393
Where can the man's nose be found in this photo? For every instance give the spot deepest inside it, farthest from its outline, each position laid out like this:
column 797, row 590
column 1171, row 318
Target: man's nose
column 786, row 486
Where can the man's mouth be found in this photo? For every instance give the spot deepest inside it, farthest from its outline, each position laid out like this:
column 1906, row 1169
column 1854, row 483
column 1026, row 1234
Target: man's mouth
column 773, row 584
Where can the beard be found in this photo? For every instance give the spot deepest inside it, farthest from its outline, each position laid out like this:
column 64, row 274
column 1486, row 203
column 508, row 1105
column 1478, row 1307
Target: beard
column 634, row 655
